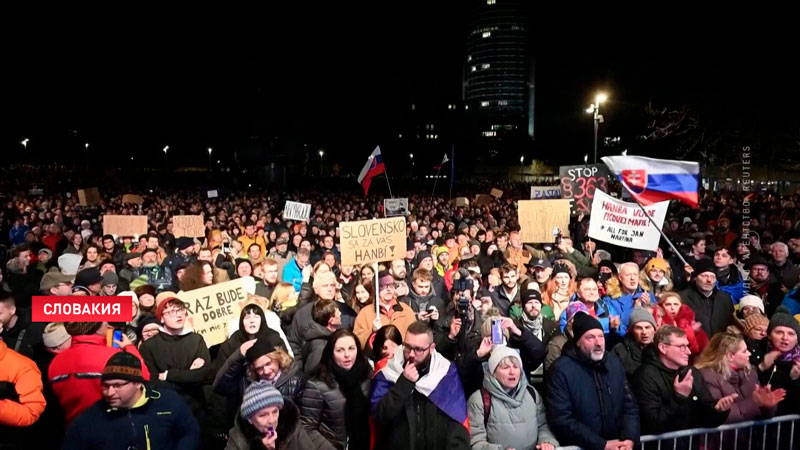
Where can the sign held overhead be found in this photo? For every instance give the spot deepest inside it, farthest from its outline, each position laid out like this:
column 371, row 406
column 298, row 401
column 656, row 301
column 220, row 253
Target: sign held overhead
column 369, row 241
column 625, row 224
column 296, row 211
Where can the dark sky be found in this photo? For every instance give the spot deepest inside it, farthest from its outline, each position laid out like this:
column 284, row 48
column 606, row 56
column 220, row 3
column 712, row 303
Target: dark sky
column 347, row 75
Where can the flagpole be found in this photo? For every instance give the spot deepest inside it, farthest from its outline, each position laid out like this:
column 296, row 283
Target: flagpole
column 436, row 181
column 680, row 256
column 387, row 183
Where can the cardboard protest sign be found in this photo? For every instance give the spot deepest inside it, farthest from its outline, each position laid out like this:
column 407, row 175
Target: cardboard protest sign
column 296, row 211
column 579, row 184
column 545, row 192
column 496, row 193
column 461, row 201
column 125, row 225
column 211, row 308
column 369, row 241
column 395, row 207
column 131, row 198
column 483, row 200
column 88, row 197
column 625, row 224
column 538, row 219
column 190, row 226
column 213, row 194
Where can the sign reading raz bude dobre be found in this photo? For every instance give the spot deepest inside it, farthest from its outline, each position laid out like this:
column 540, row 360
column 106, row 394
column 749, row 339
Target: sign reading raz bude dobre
column 211, row 308
column 369, row 241
column 625, row 224
column 296, row 211
column 579, row 184
column 545, row 192
column 395, row 207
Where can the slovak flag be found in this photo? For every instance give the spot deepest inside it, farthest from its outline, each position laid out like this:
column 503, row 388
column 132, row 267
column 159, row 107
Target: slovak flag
column 372, row 168
column 651, row 180
column 444, row 160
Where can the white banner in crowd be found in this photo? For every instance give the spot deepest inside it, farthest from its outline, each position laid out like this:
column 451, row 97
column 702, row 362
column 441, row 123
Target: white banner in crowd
column 296, row 211
column 624, row 224
column 395, row 207
column 545, row 192
column 213, row 194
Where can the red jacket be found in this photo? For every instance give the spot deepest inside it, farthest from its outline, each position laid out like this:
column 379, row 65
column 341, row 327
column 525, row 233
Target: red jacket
column 75, row 372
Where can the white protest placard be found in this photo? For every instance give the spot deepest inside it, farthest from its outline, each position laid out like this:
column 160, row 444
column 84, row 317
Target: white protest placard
column 545, row 192
column 211, row 308
column 369, row 241
column 538, row 218
column 190, row 226
column 296, row 211
column 625, row 224
column 395, row 207
column 213, row 194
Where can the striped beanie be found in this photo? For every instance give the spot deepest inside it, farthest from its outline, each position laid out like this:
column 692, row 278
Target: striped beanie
column 257, row 396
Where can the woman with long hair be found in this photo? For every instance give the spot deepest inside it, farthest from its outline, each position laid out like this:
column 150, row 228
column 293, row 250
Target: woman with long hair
column 386, row 341
column 364, row 295
column 284, row 303
column 336, row 403
column 91, row 256
column 198, row 274
column 76, row 246
column 559, row 290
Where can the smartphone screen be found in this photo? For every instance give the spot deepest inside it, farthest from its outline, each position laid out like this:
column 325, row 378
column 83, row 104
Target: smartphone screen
column 497, row 332
column 117, row 336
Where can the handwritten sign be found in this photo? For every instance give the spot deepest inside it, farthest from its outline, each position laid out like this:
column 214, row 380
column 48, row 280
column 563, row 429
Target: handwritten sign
column 538, row 219
column 483, row 200
column 190, row 226
column 211, row 308
column 496, row 193
column 213, row 194
column 125, row 225
column 625, row 224
column 369, row 241
column 545, row 192
column 461, row 201
column 88, row 197
column 296, row 211
column 395, row 207
column 132, row 198
column 579, row 183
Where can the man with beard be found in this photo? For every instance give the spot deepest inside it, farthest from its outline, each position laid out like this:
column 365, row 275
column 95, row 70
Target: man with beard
column 270, row 280
column 398, row 271
column 713, row 308
column 417, row 399
column 421, row 297
column 183, row 256
column 282, row 255
column 589, row 402
column 508, row 294
column 766, row 286
column 531, row 319
column 151, row 273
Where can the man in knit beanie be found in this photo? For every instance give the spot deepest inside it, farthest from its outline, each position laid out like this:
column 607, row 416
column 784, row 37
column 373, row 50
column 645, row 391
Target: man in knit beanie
column 55, row 338
column 131, row 416
column 75, row 372
column 641, row 330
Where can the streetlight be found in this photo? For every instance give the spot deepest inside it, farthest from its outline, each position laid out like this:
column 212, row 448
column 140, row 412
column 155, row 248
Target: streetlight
column 87, row 146
column 25, row 143
column 521, row 167
column 166, row 147
column 321, row 154
column 209, row 152
column 594, row 108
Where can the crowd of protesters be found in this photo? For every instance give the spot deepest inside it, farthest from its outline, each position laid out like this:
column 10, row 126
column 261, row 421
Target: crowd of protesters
column 474, row 340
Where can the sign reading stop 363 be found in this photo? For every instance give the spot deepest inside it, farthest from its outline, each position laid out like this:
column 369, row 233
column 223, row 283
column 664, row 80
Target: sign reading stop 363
column 369, row 241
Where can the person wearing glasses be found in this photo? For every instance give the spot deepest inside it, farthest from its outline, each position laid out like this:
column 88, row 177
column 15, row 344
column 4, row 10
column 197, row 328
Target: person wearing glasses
column 177, row 355
column 671, row 394
column 417, row 399
column 131, row 416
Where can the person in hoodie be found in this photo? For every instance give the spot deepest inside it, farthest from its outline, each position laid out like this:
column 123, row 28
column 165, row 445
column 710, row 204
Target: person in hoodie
column 729, row 279
column 326, row 319
column 421, row 296
column 177, row 355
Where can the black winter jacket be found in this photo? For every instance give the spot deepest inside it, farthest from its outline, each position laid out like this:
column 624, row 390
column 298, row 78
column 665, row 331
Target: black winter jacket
column 322, row 408
column 232, row 380
column 714, row 313
column 630, row 354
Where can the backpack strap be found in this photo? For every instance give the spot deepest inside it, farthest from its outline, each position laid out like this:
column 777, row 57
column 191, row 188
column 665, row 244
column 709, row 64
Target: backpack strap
column 487, row 405
column 531, row 391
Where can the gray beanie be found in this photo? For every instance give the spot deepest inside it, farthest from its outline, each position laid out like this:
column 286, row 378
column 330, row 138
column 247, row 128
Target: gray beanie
column 501, row 352
column 641, row 315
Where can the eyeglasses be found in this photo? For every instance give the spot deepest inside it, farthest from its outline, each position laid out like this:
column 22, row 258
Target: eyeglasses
column 174, row 312
column 683, row 347
column 411, row 349
column 116, row 387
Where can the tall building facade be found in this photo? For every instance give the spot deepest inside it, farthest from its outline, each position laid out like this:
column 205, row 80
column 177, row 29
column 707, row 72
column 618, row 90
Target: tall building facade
column 498, row 81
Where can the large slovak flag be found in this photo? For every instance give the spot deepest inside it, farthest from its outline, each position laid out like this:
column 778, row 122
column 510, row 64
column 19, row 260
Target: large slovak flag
column 373, row 168
column 441, row 385
column 651, row 180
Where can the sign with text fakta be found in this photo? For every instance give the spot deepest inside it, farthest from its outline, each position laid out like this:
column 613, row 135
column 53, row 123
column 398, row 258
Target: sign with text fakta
column 211, row 308
column 296, row 211
column 579, row 183
column 369, row 241
column 538, row 219
column 625, row 224
column 190, row 226
column 545, row 192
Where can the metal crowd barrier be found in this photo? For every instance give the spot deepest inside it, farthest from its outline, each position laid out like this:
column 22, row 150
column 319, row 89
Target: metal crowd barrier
column 736, row 436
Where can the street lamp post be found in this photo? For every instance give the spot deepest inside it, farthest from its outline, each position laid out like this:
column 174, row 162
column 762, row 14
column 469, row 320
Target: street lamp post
column 166, row 147
column 521, row 168
column 598, row 118
column 321, row 154
column 25, row 143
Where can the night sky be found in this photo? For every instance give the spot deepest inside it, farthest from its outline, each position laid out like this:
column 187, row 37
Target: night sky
column 344, row 82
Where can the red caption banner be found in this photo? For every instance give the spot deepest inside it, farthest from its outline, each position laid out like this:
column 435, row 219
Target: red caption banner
column 82, row 309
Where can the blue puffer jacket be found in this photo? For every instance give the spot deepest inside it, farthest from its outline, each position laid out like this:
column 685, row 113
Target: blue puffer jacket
column 735, row 286
column 293, row 275
column 17, row 234
column 590, row 402
column 792, row 301
column 603, row 312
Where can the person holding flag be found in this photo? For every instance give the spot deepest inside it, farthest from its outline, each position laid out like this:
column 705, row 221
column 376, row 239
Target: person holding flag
column 417, row 398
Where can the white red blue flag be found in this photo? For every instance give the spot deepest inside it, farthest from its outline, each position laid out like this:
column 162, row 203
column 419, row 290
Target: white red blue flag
column 373, row 168
column 651, row 180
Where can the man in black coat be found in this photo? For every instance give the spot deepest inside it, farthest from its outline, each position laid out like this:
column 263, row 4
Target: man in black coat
column 641, row 331
column 16, row 328
column 673, row 396
column 712, row 308
column 589, row 402
column 324, row 289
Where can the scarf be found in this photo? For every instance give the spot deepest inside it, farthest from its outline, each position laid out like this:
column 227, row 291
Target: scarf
column 357, row 406
column 789, row 356
column 534, row 325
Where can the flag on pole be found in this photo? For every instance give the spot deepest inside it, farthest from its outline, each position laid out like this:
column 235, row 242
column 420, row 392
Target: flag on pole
column 372, row 168
column 651, row 180
column 444, row 160
column 452, row 168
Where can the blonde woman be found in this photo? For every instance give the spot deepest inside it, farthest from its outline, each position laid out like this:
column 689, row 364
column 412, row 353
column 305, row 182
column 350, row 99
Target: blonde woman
column 284, row 303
